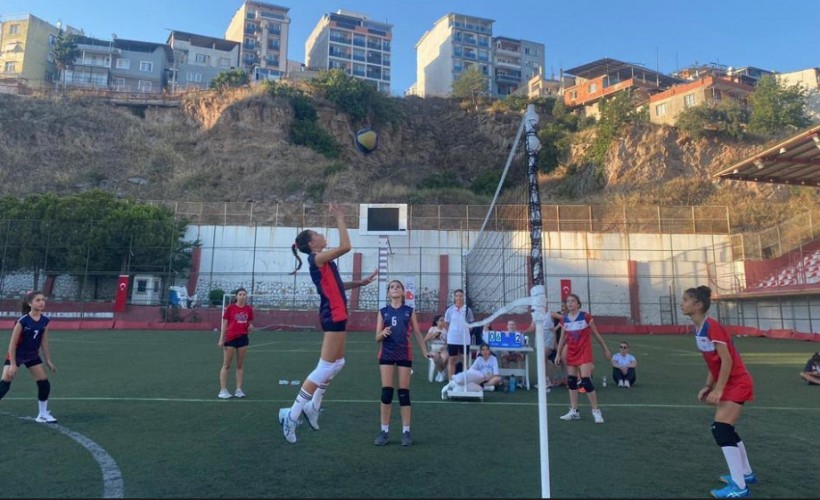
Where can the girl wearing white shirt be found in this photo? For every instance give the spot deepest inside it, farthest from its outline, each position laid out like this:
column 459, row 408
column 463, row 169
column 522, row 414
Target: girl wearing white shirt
column 484, row 372
column 623, row 366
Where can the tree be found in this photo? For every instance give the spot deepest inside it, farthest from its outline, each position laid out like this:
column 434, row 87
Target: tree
column 230, row 79
column 65, row 52
column 354, row 96
column 471, row 84
column 777, row 108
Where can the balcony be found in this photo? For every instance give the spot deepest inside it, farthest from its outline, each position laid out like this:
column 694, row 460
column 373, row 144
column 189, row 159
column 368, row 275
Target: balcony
column 341, row 39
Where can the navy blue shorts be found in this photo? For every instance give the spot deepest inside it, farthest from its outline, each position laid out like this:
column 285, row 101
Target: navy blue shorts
column 240, row 341
column 31, row 362
column 334, row 326
column 404, row 362
column 455, row 349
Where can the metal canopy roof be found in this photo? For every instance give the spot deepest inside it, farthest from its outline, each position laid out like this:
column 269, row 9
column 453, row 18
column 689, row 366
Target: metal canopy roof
column 624, row 70
column 795, row 161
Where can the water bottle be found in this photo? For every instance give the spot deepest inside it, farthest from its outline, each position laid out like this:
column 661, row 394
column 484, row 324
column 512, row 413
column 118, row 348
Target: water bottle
column 512, row 384
column 604, row 382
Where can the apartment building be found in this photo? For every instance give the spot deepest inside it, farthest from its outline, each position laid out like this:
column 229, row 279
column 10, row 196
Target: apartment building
column 809, row 79
column 353, row 43
column 26, row 43
column 515, row 62
column 262, row 29
column 92, row 67
column 454, row 43
column 141, row 66
column 603, row 78
column 665, row 107
column 198, row 59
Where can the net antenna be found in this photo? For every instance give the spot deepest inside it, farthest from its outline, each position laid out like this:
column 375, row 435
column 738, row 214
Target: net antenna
column 504, row 269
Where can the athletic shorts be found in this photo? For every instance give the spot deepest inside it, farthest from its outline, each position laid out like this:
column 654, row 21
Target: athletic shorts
column 334, row 326
column 404, row 362
column 31, row 362
column 739, row 390
column 455, row 349
column 240, row 341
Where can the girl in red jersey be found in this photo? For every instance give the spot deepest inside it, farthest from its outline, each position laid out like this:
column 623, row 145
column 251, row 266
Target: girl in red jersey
column 333, row 316
column 578, row 326
column 29, row 336
column 393, row 325
column 237, row 323
column 728, row 387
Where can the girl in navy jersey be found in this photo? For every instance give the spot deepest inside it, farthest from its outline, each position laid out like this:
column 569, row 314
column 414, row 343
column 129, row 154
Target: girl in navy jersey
column 728, row 387
column 30, row 334
column 393, row 326
column 333, row 316
column 237, row 323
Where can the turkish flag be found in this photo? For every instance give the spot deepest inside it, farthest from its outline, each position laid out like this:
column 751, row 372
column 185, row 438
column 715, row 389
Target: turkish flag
column 566, row 289
column 122, row 294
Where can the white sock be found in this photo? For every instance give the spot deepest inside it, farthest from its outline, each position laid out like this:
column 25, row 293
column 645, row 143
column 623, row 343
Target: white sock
column 318, row 396
column 386, row 428
column 299, row 405
column 747, row 468
column 42, row 406
column 732, row 455
column 405, row 428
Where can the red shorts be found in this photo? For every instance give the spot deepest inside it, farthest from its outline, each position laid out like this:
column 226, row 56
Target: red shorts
column 739, row 390
column 578, row 354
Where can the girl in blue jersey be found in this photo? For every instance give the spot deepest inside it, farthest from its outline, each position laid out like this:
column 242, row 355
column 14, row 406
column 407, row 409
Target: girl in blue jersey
column 393, row 326
column 333, row 316
column 30, row 334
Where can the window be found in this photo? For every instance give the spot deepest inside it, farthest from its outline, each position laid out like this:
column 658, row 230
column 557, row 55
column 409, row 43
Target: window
column 593, row 87
column 123, row 64
column 119, row 84
column 202, row 59
column 660, row 109
column 12, row 47
column 224, row 62
column 142, row 286
column 146, row 66
column 14, row 29
column 144, row 86
column 688, row 100
column 52, row 40
column 194, row 77
column 10, row 67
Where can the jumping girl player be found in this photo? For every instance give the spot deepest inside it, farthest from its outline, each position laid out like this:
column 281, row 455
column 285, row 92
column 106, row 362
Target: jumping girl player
column 237, row 323
column 393, row 325
column 30, row 333
column 728, row 387
column 333, row 316
column 578, row 325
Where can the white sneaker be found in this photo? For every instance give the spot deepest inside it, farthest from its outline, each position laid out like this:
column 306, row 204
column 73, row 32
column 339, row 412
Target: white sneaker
column 620, row 383
column 288, row 425
column 572, row 414
column 440, row 377
column 596, row 415
column 444, row 390
column 239, row 393
column 45, row 418
column 626, row 384
column 224, row 394
column 311, row 415
column 489, row 388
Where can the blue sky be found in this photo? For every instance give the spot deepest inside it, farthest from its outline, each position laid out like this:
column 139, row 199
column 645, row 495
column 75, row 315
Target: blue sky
column 782, row 36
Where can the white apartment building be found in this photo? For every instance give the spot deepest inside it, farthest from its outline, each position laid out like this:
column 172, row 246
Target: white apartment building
column 262, row 29
column 515, row 62
column 455, row 43
column 198, row 59
column 351, row 42
column 809, row 79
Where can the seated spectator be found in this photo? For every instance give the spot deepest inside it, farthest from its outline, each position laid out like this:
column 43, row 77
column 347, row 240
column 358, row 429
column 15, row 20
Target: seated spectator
column 484, row 372
column 623, row 366
column 811, row 373
column 508, row 357
column 436, row 339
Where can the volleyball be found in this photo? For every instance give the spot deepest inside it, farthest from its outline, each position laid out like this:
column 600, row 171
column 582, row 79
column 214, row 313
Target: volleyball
column 367, row 140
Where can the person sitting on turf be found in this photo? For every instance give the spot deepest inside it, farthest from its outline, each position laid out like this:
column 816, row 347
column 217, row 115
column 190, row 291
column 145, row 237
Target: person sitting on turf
column 623, row 366
column 483, row 371
column 811, row 373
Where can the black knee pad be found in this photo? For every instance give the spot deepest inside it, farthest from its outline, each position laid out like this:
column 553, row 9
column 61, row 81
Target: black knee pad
column 572, row 382
column 4, row 388
column 725, row 434
column 43, row 390
column 586, row 383
column 404, row 397
column 387, row 395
